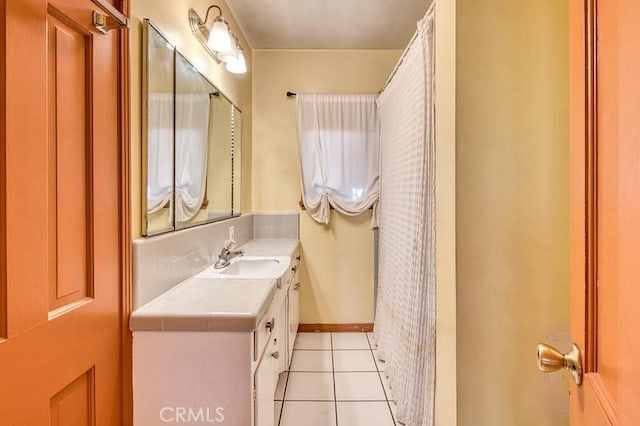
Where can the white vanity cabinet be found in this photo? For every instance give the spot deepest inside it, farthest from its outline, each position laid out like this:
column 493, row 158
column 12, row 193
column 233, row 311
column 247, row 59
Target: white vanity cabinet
column 211, row 350
column 277, row 356
column 265, row 382
column 287, row 317
column 293, row 307
column 279, row 339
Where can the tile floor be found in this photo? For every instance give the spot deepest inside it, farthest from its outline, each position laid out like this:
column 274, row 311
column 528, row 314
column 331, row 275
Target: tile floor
column 334, row 380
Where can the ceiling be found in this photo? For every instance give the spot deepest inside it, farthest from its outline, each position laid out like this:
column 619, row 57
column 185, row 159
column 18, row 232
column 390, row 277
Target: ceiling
column 328, row 24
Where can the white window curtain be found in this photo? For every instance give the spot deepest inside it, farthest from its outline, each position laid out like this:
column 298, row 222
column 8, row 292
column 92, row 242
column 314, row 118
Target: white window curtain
column 192, row 147
column 339, row 154
column 405, row 315
column 159, row 151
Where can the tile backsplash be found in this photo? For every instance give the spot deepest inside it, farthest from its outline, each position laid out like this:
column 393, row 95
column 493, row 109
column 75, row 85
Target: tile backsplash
column 276, row 225
column 160, row 262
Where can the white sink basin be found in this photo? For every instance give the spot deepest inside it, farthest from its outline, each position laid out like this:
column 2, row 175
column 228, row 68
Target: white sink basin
column 250, row 267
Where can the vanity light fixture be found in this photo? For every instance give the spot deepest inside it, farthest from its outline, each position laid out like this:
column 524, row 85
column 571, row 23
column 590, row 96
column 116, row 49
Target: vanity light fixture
column 237, row 64
column 219, row 41
column 232, row 53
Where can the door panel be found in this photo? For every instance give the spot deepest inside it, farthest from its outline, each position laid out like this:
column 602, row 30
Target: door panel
column 61, row 238
column 74, row 404
column 69, row 147
column 605, row 208
column 628, row 42
column 607, row 203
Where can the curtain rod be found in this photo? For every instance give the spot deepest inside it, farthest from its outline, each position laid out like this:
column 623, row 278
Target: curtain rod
column 397, row 66
column 393, row 72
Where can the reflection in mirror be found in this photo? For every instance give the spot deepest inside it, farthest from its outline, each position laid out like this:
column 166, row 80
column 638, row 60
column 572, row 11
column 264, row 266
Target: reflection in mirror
column 158, row 109
column 193, row 109
column 237, row 160
column 219, row 190
column 203, row 149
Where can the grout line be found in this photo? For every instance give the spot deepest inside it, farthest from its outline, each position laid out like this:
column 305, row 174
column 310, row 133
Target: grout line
column 340, row 400
column 313, row 371
column 333, row 371
column 286, row 383
column 354, row 350
column 381, row 383
column 281, row 410
column 330, row 400
column 311, row 350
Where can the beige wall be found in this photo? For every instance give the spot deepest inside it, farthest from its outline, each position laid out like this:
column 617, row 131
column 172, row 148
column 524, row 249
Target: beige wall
column 512, row 209
column 445, row 99
column 171, row 17
column 337, row 267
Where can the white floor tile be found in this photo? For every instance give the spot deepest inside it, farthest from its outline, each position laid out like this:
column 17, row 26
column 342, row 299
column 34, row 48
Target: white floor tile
column 310, row 387
column 282, row 381
column 276, row 412
column 364, row 414
column 379, row 363
column 311, row 361
column 313, row 341
column 353, row 361
column 358, row 387
column 392, row 405
column 387, row 388
column 308, row 413
column 350, row 341
column 372, row 341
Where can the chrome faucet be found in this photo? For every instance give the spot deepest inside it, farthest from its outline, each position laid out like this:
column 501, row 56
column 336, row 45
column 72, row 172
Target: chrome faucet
column 226, row 254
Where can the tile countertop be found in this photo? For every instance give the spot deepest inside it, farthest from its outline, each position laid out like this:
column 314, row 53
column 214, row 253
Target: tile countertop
column 275, row 247
column 214, row 304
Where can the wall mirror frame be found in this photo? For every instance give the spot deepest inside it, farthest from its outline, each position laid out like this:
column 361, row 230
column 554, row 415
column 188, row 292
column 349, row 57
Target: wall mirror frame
column 191, row 142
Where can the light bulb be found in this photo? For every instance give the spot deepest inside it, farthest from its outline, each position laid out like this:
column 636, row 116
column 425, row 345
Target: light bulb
column 220, row 37
column 238, row 65
column 231, row 55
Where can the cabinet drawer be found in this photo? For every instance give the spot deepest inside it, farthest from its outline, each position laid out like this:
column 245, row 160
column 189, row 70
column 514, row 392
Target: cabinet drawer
column 292, row 270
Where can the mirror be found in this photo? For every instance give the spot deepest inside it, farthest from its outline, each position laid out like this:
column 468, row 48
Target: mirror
column 236, row 182
column 191, row 142
column 158, row 60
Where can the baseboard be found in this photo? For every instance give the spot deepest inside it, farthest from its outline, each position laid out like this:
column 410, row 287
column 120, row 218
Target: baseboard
column 324, row 328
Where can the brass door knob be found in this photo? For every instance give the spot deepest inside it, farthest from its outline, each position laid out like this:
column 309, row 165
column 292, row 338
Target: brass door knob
column 550, row 360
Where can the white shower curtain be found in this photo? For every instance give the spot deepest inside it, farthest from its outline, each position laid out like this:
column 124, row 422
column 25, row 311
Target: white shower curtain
column 192, row 148
column 159, row 151
column 339, row 141
column 405, row 316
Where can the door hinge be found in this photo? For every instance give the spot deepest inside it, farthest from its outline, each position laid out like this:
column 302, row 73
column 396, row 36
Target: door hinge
column 113, row 19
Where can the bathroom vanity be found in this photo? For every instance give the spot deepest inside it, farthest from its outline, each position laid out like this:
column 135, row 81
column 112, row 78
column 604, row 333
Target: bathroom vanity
column 210, row 349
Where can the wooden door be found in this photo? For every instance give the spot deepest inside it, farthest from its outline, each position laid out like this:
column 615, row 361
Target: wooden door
column 62, row 230
column 605, row 203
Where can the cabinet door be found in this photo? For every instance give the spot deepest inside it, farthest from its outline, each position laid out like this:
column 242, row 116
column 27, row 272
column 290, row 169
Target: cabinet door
column 279, row 351
column 264, row 384
column 293, row 315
